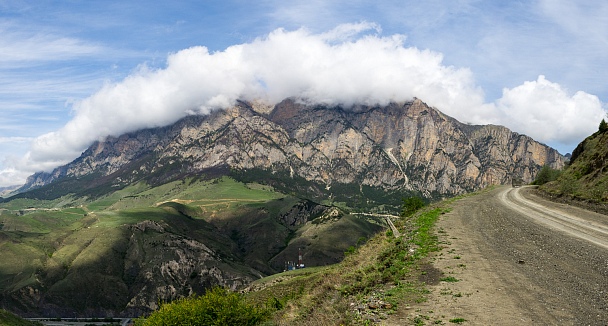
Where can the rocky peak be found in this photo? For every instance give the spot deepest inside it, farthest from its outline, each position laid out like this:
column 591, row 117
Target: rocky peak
column 408, row 146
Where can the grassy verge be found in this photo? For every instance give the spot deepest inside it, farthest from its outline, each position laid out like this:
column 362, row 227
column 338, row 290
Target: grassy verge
column 368, row 284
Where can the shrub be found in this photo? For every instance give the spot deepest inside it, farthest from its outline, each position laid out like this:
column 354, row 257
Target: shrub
column 411, row 205
column 217, row 307
column 546, row 174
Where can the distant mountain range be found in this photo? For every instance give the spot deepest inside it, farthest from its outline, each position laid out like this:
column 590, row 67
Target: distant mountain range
column 348, row 153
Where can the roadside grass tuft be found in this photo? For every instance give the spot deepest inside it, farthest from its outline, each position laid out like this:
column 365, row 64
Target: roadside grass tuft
column 457, row 320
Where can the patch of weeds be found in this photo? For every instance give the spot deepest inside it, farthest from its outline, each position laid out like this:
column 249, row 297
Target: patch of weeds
column 456, row 257
column 457, row 295
column 445, row 291
column 462, row 265
column 457, row 320
column 419, row 320
column 450, row 279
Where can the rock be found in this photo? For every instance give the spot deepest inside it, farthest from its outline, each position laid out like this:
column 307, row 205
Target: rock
column 373, row 305
column 387, row 305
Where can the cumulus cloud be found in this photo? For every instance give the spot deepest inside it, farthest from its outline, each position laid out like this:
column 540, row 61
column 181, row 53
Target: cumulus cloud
column 547, row 112
column 351, row 64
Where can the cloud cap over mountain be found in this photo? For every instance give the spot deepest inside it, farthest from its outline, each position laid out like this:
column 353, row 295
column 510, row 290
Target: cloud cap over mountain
column 353, row 63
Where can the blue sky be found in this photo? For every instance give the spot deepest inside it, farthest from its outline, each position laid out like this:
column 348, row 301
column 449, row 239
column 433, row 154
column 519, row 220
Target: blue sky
column 72, row 72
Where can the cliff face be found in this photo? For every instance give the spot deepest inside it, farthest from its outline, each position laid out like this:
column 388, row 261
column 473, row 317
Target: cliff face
column 406, row 146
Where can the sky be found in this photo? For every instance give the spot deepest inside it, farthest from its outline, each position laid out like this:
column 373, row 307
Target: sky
column 73, row 72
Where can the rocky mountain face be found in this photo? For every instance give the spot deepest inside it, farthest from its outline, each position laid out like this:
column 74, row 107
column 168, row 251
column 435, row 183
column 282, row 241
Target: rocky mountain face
column 401, row 146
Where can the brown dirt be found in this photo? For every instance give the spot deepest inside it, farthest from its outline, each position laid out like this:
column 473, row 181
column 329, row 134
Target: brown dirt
column 510, row 270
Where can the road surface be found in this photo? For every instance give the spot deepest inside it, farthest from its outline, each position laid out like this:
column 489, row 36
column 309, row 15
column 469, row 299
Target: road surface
column 518, row 260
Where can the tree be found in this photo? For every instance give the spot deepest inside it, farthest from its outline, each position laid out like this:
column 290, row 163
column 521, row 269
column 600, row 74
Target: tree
column 603, row 126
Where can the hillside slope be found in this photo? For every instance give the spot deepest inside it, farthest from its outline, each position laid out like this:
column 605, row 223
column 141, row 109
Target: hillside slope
column 123, row 253
column 585, row 180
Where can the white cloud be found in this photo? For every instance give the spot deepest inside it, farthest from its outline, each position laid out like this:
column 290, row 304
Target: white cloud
column 548, row 113
column 349, row 64
column 344, row 65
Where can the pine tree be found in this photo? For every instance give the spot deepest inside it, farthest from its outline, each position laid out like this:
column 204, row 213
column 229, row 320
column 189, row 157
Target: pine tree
column 603, row 126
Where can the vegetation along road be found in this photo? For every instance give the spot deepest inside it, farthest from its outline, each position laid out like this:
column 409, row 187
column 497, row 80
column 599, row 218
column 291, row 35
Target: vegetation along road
column 510, row 257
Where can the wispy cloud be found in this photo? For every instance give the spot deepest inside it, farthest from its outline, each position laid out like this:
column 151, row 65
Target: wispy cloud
column 23, row 49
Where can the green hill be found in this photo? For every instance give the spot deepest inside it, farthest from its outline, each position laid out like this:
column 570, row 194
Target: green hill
column 585, row 180
column 370, row 283
column 124, row 252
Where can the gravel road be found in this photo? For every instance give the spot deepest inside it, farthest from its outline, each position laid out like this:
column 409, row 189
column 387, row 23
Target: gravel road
column 510, row 257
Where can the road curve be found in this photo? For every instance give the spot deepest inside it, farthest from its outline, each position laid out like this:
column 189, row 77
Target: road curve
column 580, row 225
column 518, row 260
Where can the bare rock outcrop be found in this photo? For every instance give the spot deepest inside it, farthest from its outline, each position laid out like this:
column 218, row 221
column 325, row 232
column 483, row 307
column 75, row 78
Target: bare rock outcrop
column 408, row 146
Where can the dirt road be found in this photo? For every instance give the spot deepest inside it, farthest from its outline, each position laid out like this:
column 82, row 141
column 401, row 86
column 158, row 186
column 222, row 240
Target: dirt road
column 512, row 258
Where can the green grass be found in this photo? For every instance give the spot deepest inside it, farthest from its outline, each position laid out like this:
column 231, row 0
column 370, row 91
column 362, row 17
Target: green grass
column 217, row 307
column 384, row 266
column 10, row 319
column 71, row 247
column 457, row 320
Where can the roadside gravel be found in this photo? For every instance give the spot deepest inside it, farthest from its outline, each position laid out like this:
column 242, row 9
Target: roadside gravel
column 499, row 267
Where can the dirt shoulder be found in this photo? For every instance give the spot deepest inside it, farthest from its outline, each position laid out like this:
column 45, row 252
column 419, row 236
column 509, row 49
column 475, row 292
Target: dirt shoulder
column 500, row 268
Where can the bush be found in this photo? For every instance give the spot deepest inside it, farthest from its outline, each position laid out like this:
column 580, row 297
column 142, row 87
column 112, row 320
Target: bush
column 217, row 307
column 546, row 174
column 411, row 205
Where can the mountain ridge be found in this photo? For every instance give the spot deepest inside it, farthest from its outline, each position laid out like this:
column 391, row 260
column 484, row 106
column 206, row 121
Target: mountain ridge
column 407, row 146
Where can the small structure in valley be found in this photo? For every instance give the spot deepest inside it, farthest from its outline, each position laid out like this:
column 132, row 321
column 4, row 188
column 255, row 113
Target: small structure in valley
column 290, row 265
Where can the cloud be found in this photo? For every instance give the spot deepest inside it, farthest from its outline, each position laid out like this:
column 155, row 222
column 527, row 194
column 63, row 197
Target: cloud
column 547, row 112
column 20, row 48
column 347, row 65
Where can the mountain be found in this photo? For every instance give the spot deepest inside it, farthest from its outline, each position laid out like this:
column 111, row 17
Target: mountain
column 7, row 191
column 349, row 154
column 223, row 199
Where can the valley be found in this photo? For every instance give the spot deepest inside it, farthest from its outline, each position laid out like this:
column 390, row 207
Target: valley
column 121, row 254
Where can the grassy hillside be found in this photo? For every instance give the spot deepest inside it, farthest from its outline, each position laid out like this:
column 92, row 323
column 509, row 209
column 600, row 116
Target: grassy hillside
column 97, row 255
column 586, row 178
column 369, row 284
column 9, row 319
